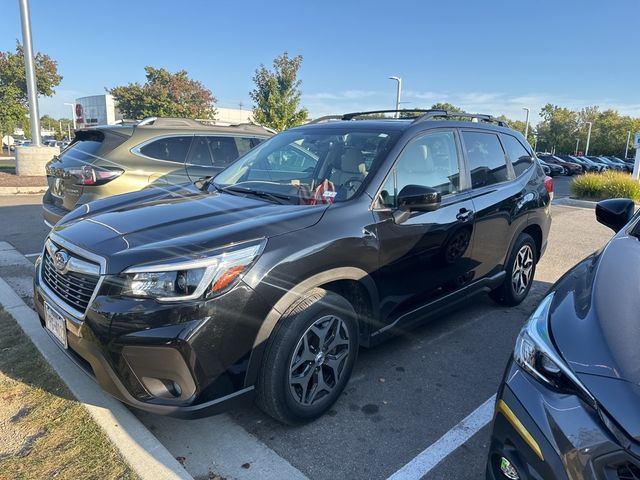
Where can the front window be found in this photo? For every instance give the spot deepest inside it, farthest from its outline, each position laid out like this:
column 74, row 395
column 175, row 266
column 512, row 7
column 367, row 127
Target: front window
column 309, row 166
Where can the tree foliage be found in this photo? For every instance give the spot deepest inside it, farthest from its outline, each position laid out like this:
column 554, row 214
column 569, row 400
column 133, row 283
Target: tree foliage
column 446, row 106
column 13, row 85
column 277, row 94
column 165, row 94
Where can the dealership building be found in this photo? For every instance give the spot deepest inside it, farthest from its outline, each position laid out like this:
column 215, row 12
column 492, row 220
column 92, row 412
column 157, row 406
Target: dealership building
column 101, row 110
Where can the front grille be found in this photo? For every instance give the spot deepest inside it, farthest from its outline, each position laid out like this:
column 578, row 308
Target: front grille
column 74, row 288
column 628, row 471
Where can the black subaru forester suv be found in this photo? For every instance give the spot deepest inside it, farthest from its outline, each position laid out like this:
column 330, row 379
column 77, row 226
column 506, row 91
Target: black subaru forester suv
column 264, row 281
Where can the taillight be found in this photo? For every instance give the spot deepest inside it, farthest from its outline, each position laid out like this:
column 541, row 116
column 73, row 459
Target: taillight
column 89, row 175
column 548, row 184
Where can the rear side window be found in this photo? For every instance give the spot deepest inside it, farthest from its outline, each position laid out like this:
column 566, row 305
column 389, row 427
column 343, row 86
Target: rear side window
column 172, row 149
column 487, row 162
column 89, row 145
column 519, row 156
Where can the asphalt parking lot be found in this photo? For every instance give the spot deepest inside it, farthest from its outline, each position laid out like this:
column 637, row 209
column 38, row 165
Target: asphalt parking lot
column 404, row 395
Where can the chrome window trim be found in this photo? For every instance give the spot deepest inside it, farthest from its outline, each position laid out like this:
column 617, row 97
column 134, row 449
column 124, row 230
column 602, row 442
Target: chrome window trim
column 136, row 150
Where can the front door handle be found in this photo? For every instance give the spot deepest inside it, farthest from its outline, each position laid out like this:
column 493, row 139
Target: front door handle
column 464, row 215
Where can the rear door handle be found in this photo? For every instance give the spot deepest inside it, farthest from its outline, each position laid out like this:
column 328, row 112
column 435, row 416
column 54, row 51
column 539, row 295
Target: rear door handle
column 464, row 214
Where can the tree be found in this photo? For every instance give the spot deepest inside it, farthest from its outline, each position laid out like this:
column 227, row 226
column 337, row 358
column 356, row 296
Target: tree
column 558, row 130
column 13, row 85
column 446, row 106
column 277, row 94
column 165, row 94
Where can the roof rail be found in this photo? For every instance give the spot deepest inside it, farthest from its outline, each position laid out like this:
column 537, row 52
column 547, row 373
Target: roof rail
column 169, row 122
column 424, row 114
column 475, row 117
column 353, row 115
column 326, row 118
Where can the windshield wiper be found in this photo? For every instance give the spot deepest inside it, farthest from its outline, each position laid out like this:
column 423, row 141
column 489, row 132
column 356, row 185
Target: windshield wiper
column 274, row 197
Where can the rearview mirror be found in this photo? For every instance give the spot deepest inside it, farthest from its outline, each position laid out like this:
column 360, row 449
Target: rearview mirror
column 615, row 213
column 418, row 198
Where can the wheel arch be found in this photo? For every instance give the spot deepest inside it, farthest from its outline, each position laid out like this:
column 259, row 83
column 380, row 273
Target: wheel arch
column 351, row 282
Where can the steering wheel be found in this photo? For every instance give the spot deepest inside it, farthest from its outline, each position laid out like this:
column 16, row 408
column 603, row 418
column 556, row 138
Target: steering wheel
column 353, row 184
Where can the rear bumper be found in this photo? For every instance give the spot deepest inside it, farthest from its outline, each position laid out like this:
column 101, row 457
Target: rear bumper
column 550, row 435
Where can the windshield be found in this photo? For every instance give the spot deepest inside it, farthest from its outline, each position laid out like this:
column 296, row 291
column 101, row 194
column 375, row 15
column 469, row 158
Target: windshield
column 309, row 166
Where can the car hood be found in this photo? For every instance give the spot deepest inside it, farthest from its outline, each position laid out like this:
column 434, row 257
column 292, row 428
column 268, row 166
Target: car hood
column 160, row 224
column 595, row 324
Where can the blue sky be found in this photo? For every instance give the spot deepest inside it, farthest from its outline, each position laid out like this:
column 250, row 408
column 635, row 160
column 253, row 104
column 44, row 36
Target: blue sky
column 489, row 56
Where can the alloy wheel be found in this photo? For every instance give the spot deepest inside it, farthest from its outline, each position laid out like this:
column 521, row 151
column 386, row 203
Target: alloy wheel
column 319, row 360
column 522, row 270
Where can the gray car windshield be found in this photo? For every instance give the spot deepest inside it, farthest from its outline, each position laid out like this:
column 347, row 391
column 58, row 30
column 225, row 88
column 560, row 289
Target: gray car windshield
column 309, row 166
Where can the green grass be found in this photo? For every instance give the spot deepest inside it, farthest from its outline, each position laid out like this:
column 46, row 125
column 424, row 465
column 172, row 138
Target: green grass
column 600, row 186
column 44, row 431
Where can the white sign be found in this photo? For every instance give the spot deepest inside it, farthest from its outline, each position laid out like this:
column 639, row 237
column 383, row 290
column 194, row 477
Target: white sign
column 636, row 141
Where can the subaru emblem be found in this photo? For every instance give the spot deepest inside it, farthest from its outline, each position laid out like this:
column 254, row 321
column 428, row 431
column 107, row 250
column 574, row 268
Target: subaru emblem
column 60, row 259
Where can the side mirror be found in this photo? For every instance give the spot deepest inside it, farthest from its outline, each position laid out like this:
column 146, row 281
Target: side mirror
column 615, row 213
column 418, row 198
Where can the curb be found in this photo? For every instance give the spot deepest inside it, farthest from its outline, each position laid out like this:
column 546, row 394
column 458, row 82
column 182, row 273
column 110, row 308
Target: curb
column 22, row 190
column 572, row 202
column 137, row 445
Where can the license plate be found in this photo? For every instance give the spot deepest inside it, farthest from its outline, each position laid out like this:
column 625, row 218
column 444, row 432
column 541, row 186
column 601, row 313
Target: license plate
column 56, row 324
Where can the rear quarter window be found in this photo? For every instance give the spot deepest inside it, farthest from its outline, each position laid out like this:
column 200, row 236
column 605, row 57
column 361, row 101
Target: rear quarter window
column 90, row 145
column 520, row 157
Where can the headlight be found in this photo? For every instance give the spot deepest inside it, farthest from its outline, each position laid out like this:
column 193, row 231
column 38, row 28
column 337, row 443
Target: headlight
column 536, row 354
column 190, row 279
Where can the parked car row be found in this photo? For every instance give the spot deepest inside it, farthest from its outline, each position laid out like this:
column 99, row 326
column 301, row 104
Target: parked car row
column 573, row 164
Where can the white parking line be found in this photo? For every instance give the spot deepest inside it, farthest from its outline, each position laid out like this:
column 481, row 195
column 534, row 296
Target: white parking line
column 447, row 444
column 29, row 255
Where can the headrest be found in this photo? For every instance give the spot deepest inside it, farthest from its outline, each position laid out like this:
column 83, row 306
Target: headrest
column 351, row 160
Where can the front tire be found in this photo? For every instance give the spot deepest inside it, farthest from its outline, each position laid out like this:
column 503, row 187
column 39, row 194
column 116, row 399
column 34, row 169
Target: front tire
column 520, row 268
column 309, row 358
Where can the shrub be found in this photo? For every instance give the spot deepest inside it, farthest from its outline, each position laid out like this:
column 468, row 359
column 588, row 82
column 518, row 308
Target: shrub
column 600, row 186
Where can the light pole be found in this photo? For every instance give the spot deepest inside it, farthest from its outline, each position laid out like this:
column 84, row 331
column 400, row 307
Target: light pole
column 73, row 114
column 577, row 143
column 586, row 149
column 32, row 91
column 398, row 93
column 526, row 125
column 626, row 147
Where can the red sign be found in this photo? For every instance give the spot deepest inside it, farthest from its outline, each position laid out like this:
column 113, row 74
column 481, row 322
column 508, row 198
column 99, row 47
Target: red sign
column 78, row 110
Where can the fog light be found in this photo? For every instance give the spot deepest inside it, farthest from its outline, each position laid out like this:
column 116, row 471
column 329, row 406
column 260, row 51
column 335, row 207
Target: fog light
column 508, row 470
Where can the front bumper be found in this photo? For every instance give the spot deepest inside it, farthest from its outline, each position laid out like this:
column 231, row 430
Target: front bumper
column 550, row 435
column 186, row 360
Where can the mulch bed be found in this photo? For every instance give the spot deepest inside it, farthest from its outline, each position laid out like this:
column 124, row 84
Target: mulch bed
column 8, row 178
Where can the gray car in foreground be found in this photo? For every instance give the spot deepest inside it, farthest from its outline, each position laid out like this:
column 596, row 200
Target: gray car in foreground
column 569, row 404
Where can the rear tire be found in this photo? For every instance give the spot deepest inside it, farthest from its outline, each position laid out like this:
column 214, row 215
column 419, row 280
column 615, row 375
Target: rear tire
column 520, row 268
column 309, row 358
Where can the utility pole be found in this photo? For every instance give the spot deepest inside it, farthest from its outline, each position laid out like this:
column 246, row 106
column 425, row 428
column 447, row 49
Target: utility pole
column 586, row 150
column 526, row 126
column 398, row 93
column 577, row 143
column 32, row 91
column 626, row 147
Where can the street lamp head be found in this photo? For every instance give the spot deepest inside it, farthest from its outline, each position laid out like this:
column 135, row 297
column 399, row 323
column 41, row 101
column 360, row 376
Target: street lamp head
column 397, row 79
